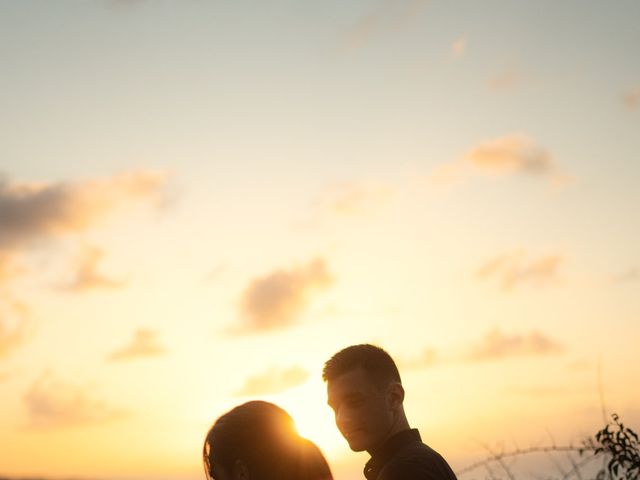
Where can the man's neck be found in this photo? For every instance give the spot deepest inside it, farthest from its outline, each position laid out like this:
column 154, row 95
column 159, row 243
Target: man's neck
column 398, row 426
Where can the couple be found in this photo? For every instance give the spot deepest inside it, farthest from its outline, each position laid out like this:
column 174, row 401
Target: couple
column 257, row 440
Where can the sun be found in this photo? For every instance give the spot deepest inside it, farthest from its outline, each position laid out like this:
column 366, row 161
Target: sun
column 313, row 417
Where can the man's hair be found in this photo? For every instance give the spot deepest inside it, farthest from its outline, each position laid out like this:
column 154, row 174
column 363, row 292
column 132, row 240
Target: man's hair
column 376, row 363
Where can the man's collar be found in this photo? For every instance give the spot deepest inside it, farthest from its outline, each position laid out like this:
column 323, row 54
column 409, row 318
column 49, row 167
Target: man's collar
column 381, row 455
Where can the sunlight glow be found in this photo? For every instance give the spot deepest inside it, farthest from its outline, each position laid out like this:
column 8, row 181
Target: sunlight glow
column 313, row 418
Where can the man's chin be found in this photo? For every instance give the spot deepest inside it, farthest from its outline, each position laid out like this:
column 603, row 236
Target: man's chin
column 356, row 445
column 357, row 448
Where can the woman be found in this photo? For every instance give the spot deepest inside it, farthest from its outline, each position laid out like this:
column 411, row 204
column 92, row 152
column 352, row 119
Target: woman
column 258, row 441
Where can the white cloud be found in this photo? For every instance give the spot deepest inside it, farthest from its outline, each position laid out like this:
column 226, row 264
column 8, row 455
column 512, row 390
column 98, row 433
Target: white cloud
column 459, row 47
column 389, row 16
column 514, row 269
column 511, row 154
column 506, row 79
column 272, row 381
column 145, row 343
column 34, row 211
column 628, row 276
column 87, row 275
column 632, row 98
column 277, row 299
column 515, row 154
column 497, row 345
column 53, row 404
column 356, row 198
column 427, row 358
column 14, row 320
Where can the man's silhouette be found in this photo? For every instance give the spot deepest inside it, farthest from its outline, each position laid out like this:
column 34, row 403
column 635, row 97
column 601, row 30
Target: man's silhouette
column 366, row 395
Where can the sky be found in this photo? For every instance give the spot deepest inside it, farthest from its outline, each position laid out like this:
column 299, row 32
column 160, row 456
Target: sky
column 201, row 201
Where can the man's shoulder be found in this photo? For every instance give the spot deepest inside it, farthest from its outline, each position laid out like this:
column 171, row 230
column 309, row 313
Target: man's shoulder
column 417, row 461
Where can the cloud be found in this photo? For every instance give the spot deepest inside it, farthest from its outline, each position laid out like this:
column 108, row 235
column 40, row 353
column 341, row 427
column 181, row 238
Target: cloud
column 348, row 200
column 145, row 343
column 497, row 345
column 356, row 198
column 508, row 155
column 87, row 276
column 580, row 365
column 123, row 3
column 506, row 80
column 9, row 267
column 537, row 391
column 52, row 404
column 459, row 47
column 428, row 358
column 449, row 173
column 216, row 272
column 14, row 319
column 632, row 98
column 36, row 211
column 278, row 298
column 511, row 154
column 390, row 15
column 515, row 269
column 272, row 381
column 628, row 276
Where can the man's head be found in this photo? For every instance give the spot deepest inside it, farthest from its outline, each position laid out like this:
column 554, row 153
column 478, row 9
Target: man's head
column 365, row 392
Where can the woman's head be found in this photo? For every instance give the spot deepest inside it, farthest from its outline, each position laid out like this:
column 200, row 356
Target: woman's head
column 258, row 441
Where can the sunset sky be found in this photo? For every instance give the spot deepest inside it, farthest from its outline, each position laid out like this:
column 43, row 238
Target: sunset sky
column 201, row 201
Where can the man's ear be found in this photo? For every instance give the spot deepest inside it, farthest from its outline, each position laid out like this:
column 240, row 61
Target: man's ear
column 395, row 395
column 240, row 470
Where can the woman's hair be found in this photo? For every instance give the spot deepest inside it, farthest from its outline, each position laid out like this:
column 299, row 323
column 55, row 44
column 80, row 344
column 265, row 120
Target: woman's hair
column 264, row 438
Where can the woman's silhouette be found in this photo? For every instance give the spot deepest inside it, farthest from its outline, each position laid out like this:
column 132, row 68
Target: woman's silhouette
column 258, row 441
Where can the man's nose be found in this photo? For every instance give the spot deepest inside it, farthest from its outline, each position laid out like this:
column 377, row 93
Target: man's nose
column 343, row 418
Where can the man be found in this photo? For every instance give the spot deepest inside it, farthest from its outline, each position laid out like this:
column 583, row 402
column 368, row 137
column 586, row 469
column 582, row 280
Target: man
column 366, row 395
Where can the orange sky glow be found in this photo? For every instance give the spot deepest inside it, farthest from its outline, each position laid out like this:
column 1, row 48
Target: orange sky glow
column 201, row 202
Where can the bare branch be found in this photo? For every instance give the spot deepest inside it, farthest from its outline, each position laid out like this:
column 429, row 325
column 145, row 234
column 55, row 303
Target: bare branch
column 516, row 453
column 577, row 466
column 605, row 417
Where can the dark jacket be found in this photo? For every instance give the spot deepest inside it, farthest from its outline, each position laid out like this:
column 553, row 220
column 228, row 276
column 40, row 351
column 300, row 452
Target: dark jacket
column 405, row 457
